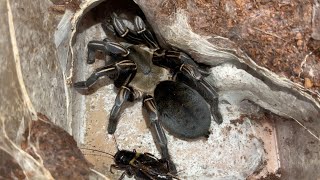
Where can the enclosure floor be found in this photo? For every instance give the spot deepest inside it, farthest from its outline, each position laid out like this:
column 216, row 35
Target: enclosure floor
column 239, row 148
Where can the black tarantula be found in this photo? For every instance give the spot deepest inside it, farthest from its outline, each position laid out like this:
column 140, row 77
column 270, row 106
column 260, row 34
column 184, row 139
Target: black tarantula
column 174, row 92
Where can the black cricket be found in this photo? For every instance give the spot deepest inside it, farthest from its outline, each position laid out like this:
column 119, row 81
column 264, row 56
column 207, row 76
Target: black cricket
column 140, row 165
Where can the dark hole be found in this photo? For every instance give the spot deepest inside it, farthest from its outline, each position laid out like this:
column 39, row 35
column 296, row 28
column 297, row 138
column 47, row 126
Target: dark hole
column 126, row 8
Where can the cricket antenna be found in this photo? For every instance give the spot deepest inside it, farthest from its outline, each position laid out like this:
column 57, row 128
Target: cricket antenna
column 115, row 141
column 95, row 150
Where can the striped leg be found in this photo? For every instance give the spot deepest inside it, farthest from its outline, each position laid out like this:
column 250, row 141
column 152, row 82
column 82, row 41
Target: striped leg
column 188, row 72
column 206, row 91
column 124, row 94
column 157, row 131
column 106, row 47
column 140, row 35
column 145, row 33
column 123, row 70
column 126, row 72
column 123, row 31
column 178, row 61
column 83, row 86
column 193, row 78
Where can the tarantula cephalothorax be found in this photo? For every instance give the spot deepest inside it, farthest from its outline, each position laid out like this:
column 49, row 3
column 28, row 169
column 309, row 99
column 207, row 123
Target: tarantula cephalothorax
column 171, row 84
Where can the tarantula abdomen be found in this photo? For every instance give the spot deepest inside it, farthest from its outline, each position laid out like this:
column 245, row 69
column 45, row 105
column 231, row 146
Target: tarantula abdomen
column 182, row 110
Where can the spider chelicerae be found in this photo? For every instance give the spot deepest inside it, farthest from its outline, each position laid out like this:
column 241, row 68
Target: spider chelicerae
column 171, row 84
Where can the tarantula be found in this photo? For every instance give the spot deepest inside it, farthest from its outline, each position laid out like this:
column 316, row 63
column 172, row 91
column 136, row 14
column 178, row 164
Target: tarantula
column 172, row 86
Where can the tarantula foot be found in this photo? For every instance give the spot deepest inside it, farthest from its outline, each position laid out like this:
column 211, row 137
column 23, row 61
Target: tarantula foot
column 123, row 31
column 191, row 71
column 217, row 117
column 139, row 24
column 119, row 26
column 124, row 94
column 146, row 34
column 80, row 85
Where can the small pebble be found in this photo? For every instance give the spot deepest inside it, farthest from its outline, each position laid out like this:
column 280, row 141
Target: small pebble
column 308, row 83
column 299, row 36
column 299, row 43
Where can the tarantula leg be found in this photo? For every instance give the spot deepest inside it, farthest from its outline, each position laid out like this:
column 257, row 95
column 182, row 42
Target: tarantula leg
column 126, row 72
column 121, row 71
column 181, row 57
column 206, row 91
column 187, row 70
column 173, row 59
column 145, row 33
column 157, row 131
column 124, row 94
column 107, row 28
column 180, row 62
column 123, row 31
column 100, row 72
column 106, row 47
column 155, row 127
column 191, row 71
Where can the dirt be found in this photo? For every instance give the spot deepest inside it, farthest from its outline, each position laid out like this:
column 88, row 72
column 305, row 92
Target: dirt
column 60, row 6
column 238, row 121
column 264, row 116
column 271, row 176
column 268, row 130
column 9, row 168
column 58, row 150
column 275, row 34
column 260, row 169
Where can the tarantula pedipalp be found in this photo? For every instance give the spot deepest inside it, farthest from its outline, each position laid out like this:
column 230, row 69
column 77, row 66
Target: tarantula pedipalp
column 170, row 83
